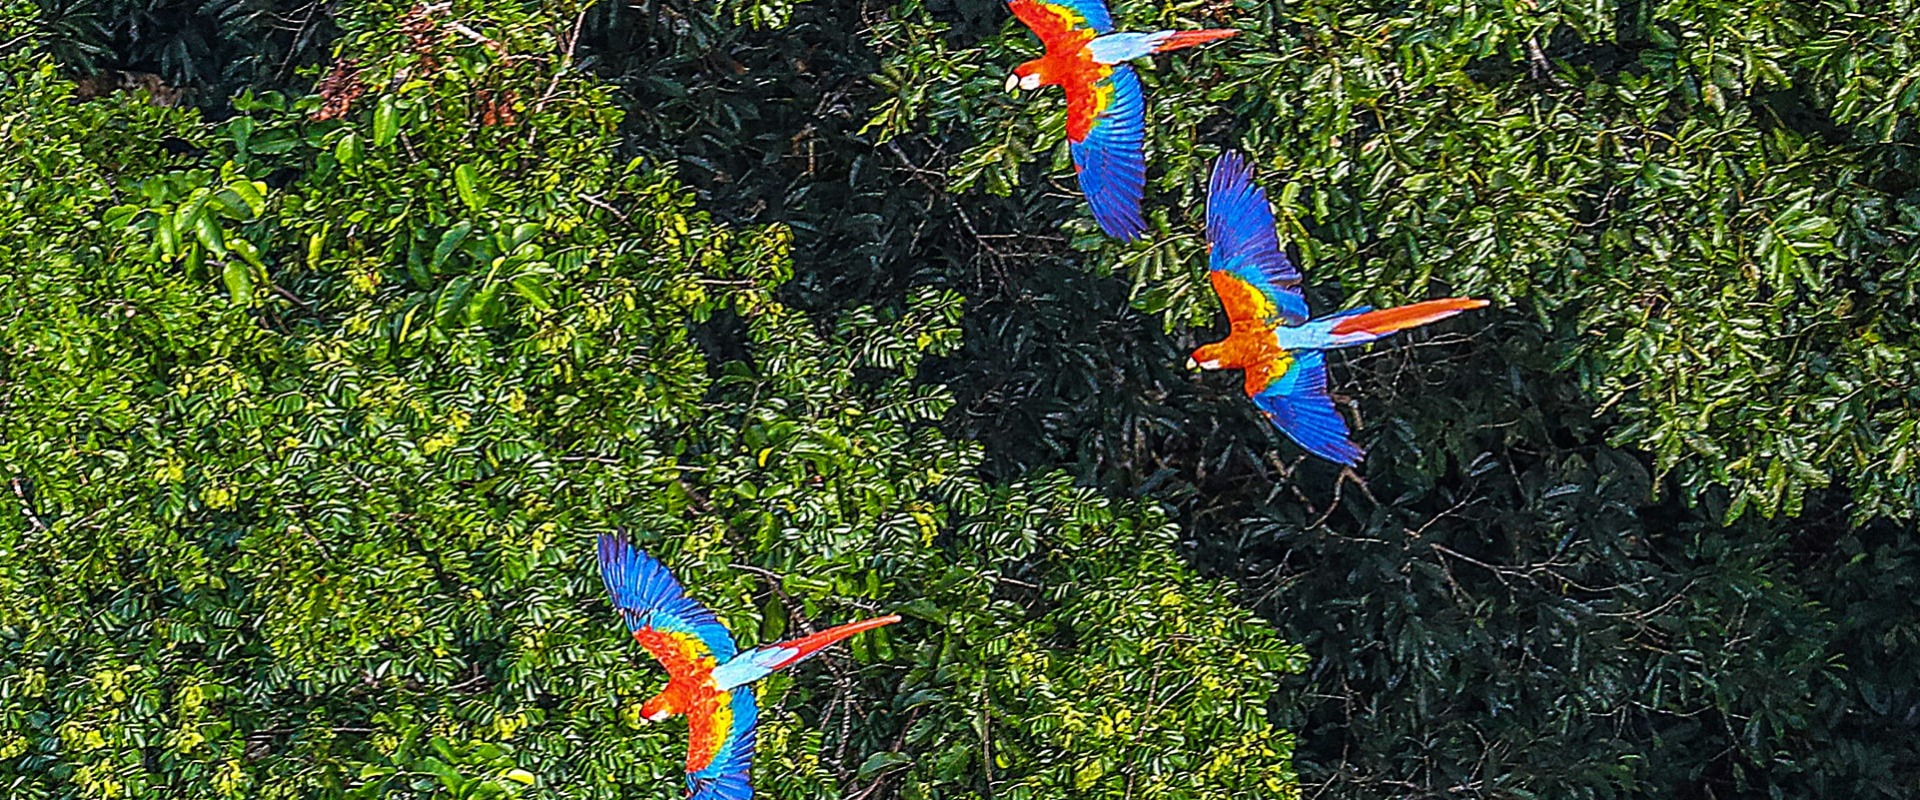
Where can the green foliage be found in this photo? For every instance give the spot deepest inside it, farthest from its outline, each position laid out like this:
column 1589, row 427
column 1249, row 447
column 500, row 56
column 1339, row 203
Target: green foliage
column 1530, row 625
column 1711, row 206
column 1515, row 603
column 306, row 439
column 1500, row 610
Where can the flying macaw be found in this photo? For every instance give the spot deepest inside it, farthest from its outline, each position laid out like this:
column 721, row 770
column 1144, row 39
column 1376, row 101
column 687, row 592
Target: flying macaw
column 1272, row 338
column 1106, row 110
column 707, row 676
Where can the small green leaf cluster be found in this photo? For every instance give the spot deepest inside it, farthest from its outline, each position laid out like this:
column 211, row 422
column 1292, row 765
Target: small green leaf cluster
column 306, row 438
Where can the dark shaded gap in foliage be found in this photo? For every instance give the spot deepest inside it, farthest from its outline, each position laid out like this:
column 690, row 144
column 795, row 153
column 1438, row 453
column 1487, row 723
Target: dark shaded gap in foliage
column 190, row 51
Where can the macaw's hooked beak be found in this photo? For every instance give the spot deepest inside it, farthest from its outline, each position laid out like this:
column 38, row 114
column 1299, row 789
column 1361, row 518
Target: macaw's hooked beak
column 1192, row 365
column 1013, row 83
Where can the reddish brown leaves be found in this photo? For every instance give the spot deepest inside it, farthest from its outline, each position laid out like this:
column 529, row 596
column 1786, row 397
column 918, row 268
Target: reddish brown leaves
column 496, row 107
column 338, row 90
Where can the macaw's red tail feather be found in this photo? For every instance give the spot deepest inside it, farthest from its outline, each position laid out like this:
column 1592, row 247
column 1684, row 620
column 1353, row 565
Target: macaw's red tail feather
column 1181, row 39
column 808, row 645
column 1383, row 322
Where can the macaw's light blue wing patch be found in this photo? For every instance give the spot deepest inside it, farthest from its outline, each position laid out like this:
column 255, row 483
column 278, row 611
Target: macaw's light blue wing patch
column 1241, row 243
column 1297, row 402
column 1111, row 158
column 750, row 666
column 728, row 775
column 1115, row 48
column 648, row 597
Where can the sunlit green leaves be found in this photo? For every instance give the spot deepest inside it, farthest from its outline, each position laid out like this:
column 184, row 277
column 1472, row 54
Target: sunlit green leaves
column 308, row 474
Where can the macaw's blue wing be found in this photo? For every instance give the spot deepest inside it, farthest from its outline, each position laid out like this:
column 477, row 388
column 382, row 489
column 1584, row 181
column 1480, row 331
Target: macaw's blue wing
column 726, row 773
column 672, row 627
column 1297, row 402
column 1241, row 245
column 1107, row 136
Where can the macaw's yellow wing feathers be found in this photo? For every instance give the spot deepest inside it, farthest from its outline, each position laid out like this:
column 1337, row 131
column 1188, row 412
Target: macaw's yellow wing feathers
column 1255, row 280
column 1057, row 21
column 720, row 750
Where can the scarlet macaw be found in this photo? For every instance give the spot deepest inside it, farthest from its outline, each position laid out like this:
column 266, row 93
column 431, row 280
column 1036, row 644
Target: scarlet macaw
column 1271, row 337
column 707, row 676
column 1106, row 110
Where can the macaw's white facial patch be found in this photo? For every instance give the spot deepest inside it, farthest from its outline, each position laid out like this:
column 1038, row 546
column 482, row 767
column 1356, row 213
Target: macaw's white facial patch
column 1030, row 82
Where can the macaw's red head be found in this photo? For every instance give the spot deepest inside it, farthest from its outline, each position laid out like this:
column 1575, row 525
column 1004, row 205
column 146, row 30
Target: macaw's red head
column 1029, row 76
column 1208, row 356
column 660, row 706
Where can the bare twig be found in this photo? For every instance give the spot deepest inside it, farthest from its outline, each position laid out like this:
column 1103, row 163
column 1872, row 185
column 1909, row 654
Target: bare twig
column 566, row 62
column 598, row 203
column 26, row 506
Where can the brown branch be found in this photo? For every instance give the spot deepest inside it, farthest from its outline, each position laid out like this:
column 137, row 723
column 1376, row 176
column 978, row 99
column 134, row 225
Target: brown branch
column 26, row 506
column 598, row 203
column 566, row 62
column 272, row 732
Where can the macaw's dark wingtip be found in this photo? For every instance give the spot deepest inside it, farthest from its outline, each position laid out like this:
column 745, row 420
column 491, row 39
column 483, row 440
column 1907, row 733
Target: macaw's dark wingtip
column 1124, row 228
column 1231, row 172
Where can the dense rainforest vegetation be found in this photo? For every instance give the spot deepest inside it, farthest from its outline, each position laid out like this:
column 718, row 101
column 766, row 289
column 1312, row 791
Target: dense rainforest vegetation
column 330, row 334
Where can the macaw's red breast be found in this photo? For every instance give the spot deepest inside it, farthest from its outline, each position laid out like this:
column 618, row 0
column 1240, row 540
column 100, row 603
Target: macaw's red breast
column 1075, row 71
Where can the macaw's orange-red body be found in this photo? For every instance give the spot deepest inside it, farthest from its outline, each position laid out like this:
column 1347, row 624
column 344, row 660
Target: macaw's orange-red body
column 690, row 691
column 1250, row 346
column 1067, row 62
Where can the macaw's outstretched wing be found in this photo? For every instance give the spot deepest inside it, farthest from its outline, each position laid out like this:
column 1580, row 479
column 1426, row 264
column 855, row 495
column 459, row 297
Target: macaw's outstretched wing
column 1107, row 135
column 681, row 634
column 1063, row 22
column 1297, row 402
column 720, row 753
column 1248, row 269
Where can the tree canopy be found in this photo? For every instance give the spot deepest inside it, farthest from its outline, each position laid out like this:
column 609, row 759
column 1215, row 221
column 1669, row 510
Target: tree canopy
column 317, row 387
column 309, row 432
